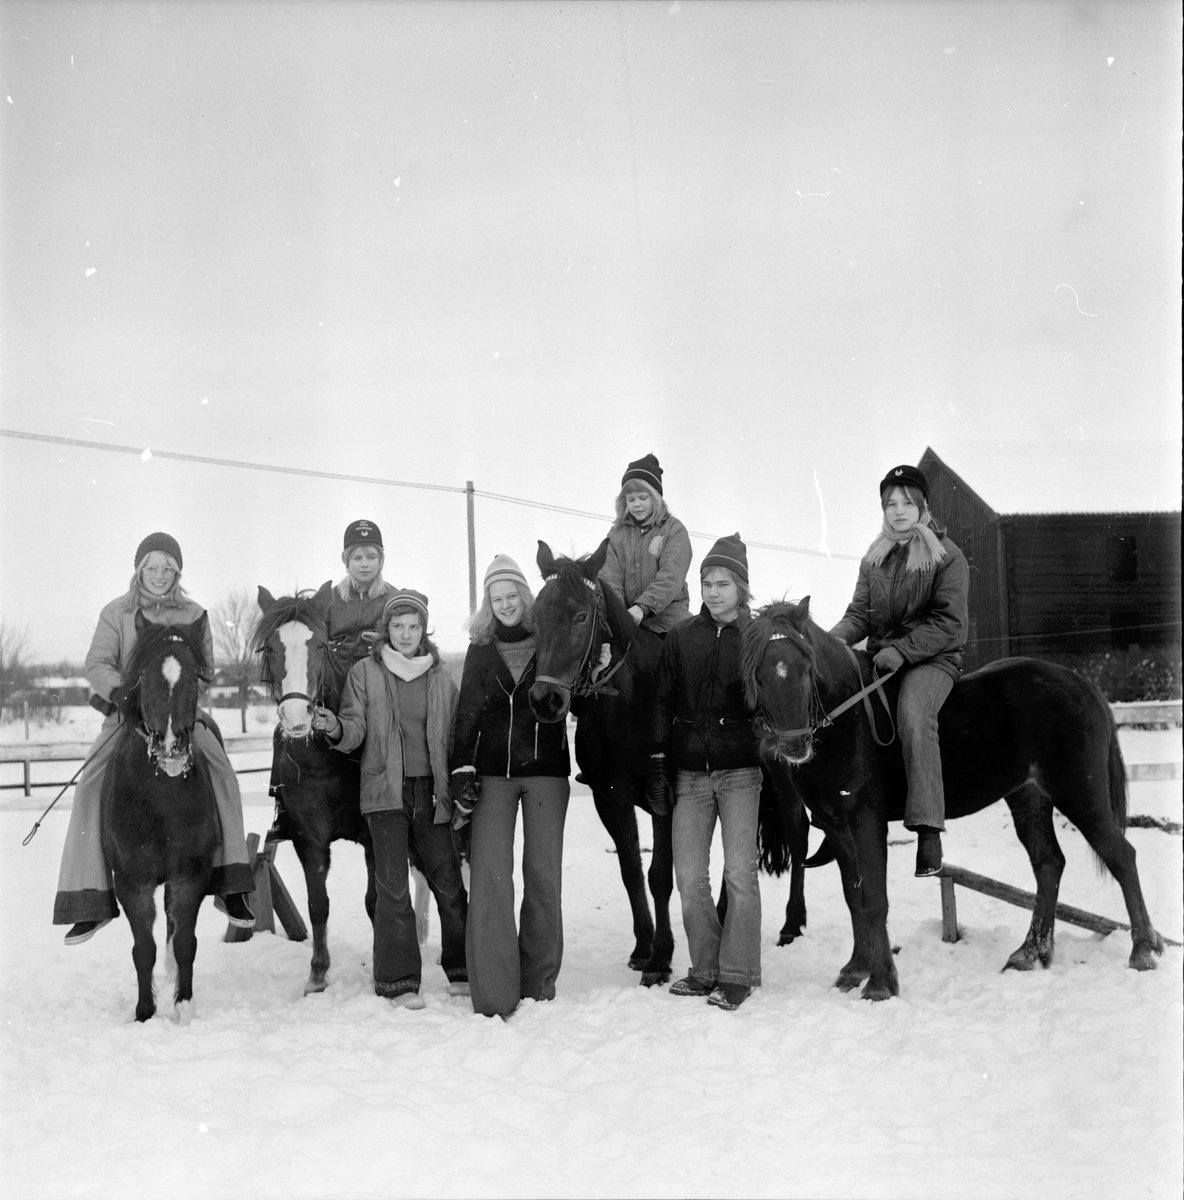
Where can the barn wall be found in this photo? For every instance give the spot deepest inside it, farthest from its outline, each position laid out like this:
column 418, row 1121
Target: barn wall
column 971, row 525
column 1092, row 581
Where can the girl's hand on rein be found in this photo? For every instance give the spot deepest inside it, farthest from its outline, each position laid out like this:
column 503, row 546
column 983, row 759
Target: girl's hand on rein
column 325, row 720
column 637, row 614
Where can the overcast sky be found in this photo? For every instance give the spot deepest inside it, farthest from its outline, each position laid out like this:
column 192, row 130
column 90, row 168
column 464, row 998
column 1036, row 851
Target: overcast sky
column 783, row 246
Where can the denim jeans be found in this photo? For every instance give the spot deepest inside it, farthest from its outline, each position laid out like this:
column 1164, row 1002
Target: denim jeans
column 397, row 963
column 507, row 964
column 730, row 953
column 923, row 690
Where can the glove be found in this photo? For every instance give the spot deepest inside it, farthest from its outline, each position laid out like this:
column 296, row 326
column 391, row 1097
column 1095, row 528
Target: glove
column 464, row 787
column 889, row 659
column 657, row 786
column 100, row 705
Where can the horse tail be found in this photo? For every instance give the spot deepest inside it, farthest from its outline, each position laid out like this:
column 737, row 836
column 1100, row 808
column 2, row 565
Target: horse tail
column 773, row 842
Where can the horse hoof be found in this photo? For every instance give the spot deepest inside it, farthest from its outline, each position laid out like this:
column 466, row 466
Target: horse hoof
column 880, row 991
column 848, row 983
column 786, row 938
column 315, row 985
column 654, row 978
column 185, row 1012
column 638, row 962
column 1143, row 960
column 145, row 1014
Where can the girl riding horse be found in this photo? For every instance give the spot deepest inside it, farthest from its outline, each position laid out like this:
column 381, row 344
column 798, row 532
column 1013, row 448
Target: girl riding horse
column 85, row 897
column 911, row 604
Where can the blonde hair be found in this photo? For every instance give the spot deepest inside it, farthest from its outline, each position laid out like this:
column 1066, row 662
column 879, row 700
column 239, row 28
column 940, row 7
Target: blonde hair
column 742, row 589
column 660, row 511
column 175, row 596
column 482, row 624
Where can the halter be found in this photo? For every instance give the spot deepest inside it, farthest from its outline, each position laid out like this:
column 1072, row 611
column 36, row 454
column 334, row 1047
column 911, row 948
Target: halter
column 876, row 685
column 323, row 688
column 585, row 682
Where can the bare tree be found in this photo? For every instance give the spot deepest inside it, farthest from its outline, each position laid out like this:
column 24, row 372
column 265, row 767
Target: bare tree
column 14, row 671
column 233, row 623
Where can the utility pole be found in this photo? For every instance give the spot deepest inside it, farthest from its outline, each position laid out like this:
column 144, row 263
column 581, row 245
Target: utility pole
column 472, row 547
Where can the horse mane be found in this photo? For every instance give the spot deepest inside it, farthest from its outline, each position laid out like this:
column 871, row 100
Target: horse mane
column 287, row 608
column 573, row 582
column 152, row 638
column 779, row 618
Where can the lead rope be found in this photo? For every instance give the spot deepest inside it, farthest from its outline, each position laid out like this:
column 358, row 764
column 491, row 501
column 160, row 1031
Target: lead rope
column 85, row 763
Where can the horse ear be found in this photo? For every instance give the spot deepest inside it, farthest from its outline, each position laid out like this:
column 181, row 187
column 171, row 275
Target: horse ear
column 324, row 598
column 545, row 560
column 804, row 607
column 595, row 564
column 201, row 625
column 266, row 599
column 141, row 621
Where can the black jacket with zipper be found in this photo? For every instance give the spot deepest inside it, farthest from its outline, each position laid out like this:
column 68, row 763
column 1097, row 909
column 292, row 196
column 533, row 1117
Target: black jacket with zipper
column 496, row 732
column 700, row 722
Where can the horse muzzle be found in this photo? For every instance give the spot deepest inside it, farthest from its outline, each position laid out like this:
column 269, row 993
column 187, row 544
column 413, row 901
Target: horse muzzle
column 295, row 715
column 549, row 701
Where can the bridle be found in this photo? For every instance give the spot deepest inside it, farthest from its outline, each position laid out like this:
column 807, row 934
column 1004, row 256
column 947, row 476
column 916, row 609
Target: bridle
column 824, row 722
column 329, row 672
column 172, row 765
column 586, row 681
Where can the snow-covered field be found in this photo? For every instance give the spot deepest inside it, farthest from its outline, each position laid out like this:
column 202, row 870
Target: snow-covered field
column 973, row 1083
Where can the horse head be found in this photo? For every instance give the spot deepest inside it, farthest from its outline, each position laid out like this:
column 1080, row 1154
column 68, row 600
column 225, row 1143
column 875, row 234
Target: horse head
column 779, row 661
column 167, row 666
column 574, row 614
column 299, row 664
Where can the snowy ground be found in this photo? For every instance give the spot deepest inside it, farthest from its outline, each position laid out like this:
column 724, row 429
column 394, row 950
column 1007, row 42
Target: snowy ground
column 972, row 1083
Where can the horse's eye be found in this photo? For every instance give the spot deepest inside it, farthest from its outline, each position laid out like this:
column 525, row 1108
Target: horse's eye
column 581, row 617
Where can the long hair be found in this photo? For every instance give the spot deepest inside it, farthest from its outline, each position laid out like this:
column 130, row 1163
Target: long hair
column 914, row 494
column 175, row 597
column 482, row 624
column 661, row 509
column 426, row 645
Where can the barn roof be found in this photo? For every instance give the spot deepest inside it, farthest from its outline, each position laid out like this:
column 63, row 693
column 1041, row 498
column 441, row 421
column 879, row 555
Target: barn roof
column 1043, row 478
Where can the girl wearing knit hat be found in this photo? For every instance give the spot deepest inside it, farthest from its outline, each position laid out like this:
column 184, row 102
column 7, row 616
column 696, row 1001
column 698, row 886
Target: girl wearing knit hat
column 703, row 739
column 911, row 604
column 399, row 704
column 85, row 897
column 503, row 758
column 649, row 551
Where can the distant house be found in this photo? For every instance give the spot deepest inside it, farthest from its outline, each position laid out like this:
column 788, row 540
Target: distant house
column 1046, row 582
column 60, row 689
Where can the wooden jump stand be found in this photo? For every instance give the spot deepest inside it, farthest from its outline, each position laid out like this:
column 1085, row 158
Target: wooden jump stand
column 951, row 875
column 270, row 899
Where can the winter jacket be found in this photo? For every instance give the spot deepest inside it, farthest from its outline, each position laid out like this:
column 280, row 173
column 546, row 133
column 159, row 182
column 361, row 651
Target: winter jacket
column 111, row 648
column 647, row 565
column 699, row 719
column 922, row 614
column 496, row 732
column 369, row 718
column 349, row 619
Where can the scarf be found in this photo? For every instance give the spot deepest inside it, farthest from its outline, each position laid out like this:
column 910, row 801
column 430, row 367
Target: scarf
column 925, row 550
column 403, row 667
column 510, row 633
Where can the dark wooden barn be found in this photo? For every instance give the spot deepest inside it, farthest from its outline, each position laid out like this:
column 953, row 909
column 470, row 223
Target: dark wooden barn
column 1047, row 582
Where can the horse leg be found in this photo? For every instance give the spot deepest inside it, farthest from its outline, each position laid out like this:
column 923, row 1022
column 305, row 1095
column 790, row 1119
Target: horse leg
column 182, row 901
column 1106, row 838
column 661, row 880
column 140, row 905
column 620, row 820
column 314, row 858
column 871, row 841
column 795, row 905
column 858, row 967
column 1031, row 809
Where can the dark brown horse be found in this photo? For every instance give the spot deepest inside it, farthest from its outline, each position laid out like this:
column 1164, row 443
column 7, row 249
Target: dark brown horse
column 159, row 823
column 320, row 787
column 1037, row 735
column 575, row 614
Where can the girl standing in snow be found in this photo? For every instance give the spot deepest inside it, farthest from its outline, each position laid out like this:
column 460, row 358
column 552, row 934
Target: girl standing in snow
column 649, row 551
column 501, row 749
column 85, row 897
column 399, row 704
column 911, row 604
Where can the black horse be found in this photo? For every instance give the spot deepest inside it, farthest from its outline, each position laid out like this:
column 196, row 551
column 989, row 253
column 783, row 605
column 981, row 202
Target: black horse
column 320, row 787
column 575, row 614
column 159, row 823
column 1035, row 734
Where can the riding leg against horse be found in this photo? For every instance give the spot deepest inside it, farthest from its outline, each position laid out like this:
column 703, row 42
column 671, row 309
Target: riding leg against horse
column 85, row 896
